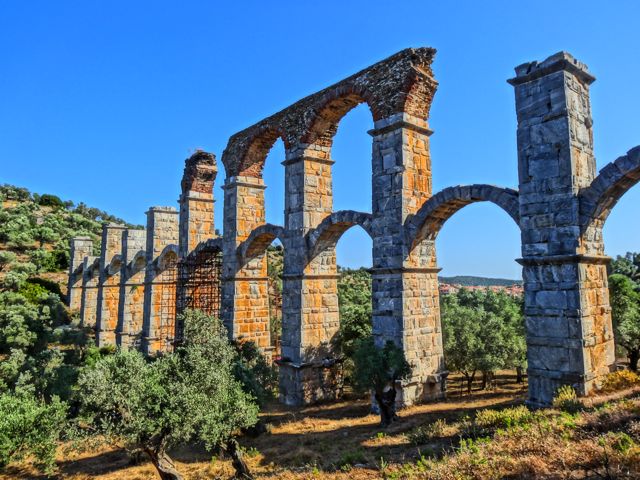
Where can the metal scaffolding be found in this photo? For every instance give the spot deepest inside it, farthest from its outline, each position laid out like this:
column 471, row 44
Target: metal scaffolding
column 199, row 284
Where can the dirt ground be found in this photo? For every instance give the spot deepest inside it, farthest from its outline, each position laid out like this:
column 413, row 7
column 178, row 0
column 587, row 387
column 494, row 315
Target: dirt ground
column 339, row 440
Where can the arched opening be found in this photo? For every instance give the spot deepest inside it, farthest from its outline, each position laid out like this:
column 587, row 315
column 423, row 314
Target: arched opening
column 263, row 252
column 351, row 152
column 477, row 297
column 353, row 258
column 615, row 196
column 273, row 176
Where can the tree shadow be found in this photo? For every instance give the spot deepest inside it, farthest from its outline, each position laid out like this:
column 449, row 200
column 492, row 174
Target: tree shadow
column 348, row 434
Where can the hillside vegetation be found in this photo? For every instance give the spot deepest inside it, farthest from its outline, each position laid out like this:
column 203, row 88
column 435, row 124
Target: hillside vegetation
column 37, row 228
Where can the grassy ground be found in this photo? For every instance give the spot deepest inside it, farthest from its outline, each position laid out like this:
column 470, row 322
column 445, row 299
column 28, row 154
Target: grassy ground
column 343, row 441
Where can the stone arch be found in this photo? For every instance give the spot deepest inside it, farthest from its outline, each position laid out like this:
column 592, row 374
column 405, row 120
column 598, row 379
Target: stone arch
column 333, row 227
column 613, row 181
column 400, row 84
column 114, row 265
column 323, row 125
column 247, row 151
column 168, row 257
column 426, row 223
column 258, row 241
column 138, row 262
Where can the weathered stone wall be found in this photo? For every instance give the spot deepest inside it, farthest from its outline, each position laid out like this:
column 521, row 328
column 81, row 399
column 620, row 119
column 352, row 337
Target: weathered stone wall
column 406, row 306
column 310, row 314
column 81, row 247
column 245, row 299
column 160, row 279
column 89, row 302
column 196, row 201
column 569, row 331
column 108, row 302
column 131, row 298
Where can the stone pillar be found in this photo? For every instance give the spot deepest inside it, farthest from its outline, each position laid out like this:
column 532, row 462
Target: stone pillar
column 89, row 303
column 569, row 331
column 406, row 306
column 196, row 201
column 245, row 292
column 309, row 369
column 109, row 284
column 81, row 247
column 160, row 280
column 131, row 309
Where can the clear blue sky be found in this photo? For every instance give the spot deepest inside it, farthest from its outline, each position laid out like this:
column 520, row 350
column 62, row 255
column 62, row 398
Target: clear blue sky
column 102, row 101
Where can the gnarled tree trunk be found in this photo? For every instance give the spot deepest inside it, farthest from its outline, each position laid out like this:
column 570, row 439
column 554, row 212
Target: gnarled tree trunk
column 634, row 356
column 163, row 463
column 240, row 466
column 387, row 404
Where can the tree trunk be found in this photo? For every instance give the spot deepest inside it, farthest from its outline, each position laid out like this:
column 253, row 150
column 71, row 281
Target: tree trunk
column 469, row 378
column 634, row 356
column 164, row 465
column 485, row 380
column 387, row 411
column 519, row 375
column 242, row 469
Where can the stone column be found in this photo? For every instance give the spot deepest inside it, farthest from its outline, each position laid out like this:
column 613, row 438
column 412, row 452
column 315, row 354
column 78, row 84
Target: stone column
column 309, row 371
column 81, row 247
column 109, row 284
column 245, row 293
column 160, row 280
column 196, row 201
column 406, row 306
column 569, row 331
column 89, row 303
column 131, row 309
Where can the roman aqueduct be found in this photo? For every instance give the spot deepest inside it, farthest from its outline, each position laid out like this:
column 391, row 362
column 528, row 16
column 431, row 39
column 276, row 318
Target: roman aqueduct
column 132, row 291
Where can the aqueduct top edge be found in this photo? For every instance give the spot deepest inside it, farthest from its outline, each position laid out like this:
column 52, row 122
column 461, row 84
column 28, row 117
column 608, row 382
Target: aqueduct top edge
column 402, row 83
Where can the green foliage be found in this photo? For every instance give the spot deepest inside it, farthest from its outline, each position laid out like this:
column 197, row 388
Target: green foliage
column 49, row 200
column 619, row 380
column 629, row 266
column 505, row 418
column 258, row 378
column 483, row 331
column 426, row 433
column 375, row 367
column 625, row 311
column 567, row 400
column 6, row 259
column 189, row 395
column 39, row 220
column 354, row 296
column 30, row 428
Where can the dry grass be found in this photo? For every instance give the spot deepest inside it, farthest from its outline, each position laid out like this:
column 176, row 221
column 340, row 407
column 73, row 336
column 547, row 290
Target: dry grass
column 344, row 441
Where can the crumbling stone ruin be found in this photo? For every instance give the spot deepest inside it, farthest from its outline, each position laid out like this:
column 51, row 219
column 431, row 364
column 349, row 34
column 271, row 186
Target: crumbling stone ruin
column 131, row 293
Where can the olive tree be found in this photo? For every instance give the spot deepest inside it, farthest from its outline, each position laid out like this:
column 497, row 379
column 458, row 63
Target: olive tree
column 154, row 405
column 378, row 369
column 625, row 313
column 30, row 428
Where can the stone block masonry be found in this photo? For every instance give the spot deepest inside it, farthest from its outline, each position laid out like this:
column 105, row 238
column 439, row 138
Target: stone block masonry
column 131, row 298
column 560, row 206
column 107, row 311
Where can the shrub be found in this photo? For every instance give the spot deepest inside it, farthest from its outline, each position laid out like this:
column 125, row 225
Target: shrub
column 566, row 400
column 505, row 418
column 190, row 395
column 619, row 380
column 48, row 200
column 428, row 432
column 29, row 427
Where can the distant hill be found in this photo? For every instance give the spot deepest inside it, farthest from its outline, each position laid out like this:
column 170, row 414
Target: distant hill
column 35, row 229
column 471, row 281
